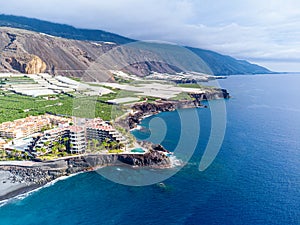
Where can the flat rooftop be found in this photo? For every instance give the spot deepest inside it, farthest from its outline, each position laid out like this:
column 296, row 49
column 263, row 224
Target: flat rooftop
column 153, row 89
column 123, row 100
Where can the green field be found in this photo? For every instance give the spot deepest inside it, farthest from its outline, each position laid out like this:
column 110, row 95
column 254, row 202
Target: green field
column 182, row 96
column 14, row 106
column 195, row 85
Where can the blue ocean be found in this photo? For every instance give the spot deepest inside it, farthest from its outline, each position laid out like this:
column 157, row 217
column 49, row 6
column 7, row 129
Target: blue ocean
column 254, row 178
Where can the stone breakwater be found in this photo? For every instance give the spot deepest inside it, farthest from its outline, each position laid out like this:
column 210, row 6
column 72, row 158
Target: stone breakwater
column 27, row 175
column 41, row 173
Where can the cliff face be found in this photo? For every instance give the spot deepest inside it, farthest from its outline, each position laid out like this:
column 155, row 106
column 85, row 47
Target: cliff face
column 35, row 65
column 153, row 158
column 214, row 93
column 16, row 59
column 29, row 64
column 146, row 108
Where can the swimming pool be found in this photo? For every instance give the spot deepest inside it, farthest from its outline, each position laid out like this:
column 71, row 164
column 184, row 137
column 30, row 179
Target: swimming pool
column 138, row 150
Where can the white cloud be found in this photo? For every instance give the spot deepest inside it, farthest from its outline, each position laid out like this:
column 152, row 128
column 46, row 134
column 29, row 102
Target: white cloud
column 253, row 29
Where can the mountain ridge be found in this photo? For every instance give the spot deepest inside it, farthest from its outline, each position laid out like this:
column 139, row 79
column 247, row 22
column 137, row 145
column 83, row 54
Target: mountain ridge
column 60, row 30
column 62, row 47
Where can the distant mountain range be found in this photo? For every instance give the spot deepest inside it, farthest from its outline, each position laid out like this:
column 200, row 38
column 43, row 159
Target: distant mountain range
column 31, row 45
column 60, row 30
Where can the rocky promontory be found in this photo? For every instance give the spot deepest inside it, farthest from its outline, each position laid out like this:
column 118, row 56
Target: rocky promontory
column 150, row 108
column 142, row 109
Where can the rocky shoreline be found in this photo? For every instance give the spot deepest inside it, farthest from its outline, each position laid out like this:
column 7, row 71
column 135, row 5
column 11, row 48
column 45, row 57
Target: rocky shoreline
column 20, row 179
column 142, row 109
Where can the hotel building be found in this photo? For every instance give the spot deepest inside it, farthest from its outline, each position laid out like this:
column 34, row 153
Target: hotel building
column 30, row 125
column 75, row 137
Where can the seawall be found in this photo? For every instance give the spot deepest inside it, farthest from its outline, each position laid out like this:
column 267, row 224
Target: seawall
column 24, row 178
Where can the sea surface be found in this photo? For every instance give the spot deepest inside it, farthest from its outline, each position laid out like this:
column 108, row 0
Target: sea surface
column 254, row 178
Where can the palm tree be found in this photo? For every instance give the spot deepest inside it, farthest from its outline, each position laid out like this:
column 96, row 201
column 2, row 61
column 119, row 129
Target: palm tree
column 89, row 145
column 95, row 142
column 46, row 144
column 104, row 145
column 3, row 154
column 121, row 145
column 14, row 152
column 44, row 150
column 66, row 139
column 56, row 144
column 107, row 143
column 26, row 155
column 54, row 150
column 114, row 145
column 37, row 149
column 62, row 147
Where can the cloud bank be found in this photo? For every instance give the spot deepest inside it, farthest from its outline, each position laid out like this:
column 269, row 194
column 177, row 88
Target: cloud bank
column 256, row 30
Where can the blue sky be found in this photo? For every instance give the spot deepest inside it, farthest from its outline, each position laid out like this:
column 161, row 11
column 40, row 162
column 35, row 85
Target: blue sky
column 260, row 31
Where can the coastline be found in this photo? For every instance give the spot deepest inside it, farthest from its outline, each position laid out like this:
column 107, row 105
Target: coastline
column 23, row 177
column 142, row 110
column 19, row 192
column 26, row 191
column 20, row 179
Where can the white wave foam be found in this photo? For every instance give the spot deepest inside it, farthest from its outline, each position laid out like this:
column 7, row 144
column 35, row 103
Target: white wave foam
column 25, row 195
column 175, row 162
column 138, row 127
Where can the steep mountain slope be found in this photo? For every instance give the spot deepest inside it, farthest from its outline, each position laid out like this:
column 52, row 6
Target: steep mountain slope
column 226, row 65
column 60, row 30
column 60, row 56
column 89, row 55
